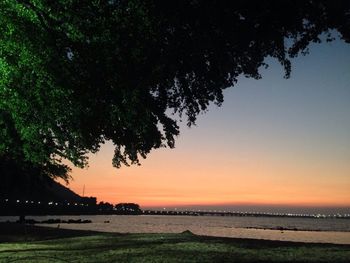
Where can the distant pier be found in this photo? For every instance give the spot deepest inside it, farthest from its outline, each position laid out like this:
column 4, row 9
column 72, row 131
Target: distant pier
column 87, row 206
column 239, row 214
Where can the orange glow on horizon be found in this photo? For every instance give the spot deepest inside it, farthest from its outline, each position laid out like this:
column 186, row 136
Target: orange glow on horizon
column 169, row 178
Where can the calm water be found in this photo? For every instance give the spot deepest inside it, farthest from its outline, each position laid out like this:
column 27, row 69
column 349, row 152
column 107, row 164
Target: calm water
column 309, row 229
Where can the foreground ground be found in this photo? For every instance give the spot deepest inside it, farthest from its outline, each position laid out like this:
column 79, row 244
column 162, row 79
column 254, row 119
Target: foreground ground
column 38, row 244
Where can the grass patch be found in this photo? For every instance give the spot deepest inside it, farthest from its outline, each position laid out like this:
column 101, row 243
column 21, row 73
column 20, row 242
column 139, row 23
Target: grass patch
column 80, row 246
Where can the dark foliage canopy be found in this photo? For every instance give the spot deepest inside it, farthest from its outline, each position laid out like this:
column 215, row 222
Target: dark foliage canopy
column 74, row 73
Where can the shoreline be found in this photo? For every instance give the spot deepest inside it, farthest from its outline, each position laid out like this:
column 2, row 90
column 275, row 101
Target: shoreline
column 58, row 221
column 16, row 232
column 307, row 237
column 210, row 226
column 30, row 243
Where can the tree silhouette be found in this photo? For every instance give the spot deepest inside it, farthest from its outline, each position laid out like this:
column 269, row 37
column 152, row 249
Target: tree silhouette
column 74, row 74
column 127, row 208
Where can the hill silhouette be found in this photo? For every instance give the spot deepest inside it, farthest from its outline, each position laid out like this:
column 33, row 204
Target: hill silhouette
column 44, row 190
column 59, row 192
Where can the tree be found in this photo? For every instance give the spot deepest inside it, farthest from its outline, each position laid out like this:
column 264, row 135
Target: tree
column 104, row 207
column 128, row 209
column 74, row 74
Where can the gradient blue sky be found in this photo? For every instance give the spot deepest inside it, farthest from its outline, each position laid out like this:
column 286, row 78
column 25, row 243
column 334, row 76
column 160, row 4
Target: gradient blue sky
column 274, row 141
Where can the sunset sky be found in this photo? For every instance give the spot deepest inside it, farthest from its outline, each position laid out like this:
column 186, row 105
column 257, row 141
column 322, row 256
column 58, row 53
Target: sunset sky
column 274, row 141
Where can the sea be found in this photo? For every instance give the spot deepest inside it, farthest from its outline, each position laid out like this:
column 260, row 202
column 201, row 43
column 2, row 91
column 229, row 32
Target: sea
column 315, row 230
